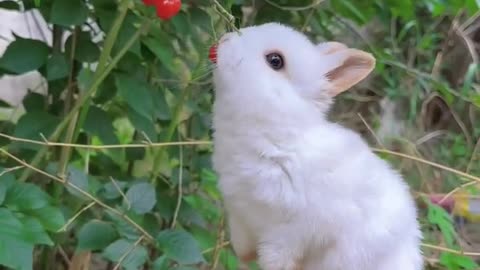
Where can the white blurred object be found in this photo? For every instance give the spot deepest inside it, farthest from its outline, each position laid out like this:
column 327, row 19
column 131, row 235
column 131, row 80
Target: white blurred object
column 27, row 25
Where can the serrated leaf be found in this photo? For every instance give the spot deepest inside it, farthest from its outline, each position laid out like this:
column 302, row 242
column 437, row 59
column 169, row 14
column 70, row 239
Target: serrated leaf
column 110, row 191
column 137, row 256
column 33, row 232
column 79, row 179
column 142, row 197
column 24, row 55
column 51, row 217
column 68, row 12
column 26, row 229
column 180, row 246
column 26, row 196
column 57, row 67
column 96, row 235
column 125, row 229
column 136, row 93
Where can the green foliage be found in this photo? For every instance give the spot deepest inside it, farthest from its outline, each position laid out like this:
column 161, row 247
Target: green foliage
column 117, row 75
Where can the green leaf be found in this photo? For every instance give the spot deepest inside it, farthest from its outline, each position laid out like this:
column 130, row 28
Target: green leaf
column 455, row 261
column 359, row 11
column 7, row 179
column 162, row 48
column 181, row 24
column 26, row 196
column 32, row 124
column 24, row 55
column 142, row 197
column 34, row 102
column 136, row 93
column 110, row 191
column 137, row 256
column 99, row 123
column 96, row 235
column 180, row 246
column 51, row 217
column 12, row 249
column 162, row 110
column 27, row 229
column 79, row 179
column 85, row 79
column 439, row 216
column 404, row 9
column 33, row 232
column 10, row 5
column 57, row 67
column 142, row 124
column 85, row 50
column 68, row 12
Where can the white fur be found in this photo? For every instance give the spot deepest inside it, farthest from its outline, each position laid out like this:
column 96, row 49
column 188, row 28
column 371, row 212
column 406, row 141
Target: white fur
column 299, row 190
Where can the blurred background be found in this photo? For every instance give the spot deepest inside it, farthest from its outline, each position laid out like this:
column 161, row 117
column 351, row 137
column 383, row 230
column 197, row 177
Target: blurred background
column 105, row 118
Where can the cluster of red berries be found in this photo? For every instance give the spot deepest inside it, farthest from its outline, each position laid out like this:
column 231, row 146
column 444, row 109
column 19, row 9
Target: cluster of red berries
column 166, row 9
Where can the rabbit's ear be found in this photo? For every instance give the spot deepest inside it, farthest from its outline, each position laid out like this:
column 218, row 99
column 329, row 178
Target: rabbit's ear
column 330, row 47
column 347, row 67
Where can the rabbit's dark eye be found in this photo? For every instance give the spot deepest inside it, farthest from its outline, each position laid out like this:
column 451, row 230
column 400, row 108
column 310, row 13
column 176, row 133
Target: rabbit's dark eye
column 275, row 60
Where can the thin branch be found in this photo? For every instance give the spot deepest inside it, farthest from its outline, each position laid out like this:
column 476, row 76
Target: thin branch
column 10, row 170
column 180, row 190
column 102, row 147
column 371, row 130
column 121, row 192
column 457, row 189
column 84, row 193
column 221, row 245
column 220, row 240
column 117, row 266
column 71, row 220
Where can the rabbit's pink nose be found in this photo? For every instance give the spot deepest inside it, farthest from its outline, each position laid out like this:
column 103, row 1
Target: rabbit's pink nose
column 212, row 53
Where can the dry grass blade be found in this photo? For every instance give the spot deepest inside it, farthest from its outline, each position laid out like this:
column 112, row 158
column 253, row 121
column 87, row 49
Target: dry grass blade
column 430, row 163
column 314, row 4
column 449, row 250
column 102, row 147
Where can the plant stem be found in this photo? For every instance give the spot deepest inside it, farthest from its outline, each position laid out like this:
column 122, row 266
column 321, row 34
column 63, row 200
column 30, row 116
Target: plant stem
column 55, row 135
column 73, row 128
column 173, row 123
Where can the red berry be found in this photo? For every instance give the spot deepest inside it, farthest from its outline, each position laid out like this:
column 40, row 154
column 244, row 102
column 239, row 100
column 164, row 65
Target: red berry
column 150, row 2
column 166, row 9
column 212, row 53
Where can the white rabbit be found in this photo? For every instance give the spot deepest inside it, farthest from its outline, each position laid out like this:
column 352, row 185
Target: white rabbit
column 302, row 192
